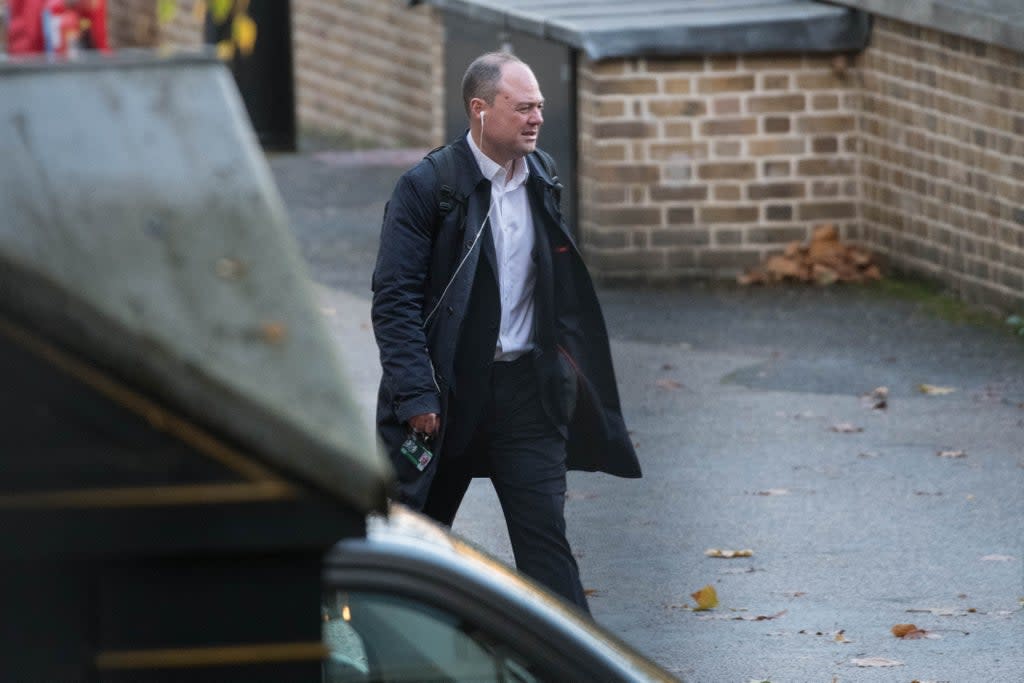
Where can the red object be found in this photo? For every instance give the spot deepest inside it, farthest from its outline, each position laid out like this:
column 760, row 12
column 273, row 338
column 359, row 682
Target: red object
column 25, row 26
column 56, row 26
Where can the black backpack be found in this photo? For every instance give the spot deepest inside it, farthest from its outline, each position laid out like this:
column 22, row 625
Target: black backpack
column 443, row 160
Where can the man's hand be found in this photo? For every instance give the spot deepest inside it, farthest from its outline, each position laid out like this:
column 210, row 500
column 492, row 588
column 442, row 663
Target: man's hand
column 428, row 423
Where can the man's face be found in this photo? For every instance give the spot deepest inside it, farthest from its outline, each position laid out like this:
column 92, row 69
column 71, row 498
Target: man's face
column 512, row 123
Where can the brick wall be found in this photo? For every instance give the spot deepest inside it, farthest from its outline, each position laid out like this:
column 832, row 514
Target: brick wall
column 942, row 169
column 704, row 166
column 372, row 68
column 369, row 68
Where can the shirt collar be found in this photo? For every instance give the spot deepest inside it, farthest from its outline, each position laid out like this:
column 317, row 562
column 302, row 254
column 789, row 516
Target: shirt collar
column 495, row 172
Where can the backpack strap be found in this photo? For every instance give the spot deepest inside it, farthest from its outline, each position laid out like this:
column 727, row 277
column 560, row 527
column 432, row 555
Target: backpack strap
column 448, row 197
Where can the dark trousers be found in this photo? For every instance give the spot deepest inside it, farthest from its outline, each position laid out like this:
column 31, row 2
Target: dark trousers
column 516, row 443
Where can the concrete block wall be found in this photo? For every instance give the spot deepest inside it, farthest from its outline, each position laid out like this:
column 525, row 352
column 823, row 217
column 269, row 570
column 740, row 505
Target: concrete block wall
column 370, row 68
column 704, row 166
column 942, row 159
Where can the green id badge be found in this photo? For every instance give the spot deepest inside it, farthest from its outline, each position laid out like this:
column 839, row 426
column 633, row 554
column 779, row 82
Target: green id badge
column 416, row 450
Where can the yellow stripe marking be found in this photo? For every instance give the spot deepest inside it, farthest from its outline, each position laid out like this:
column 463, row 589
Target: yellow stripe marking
column 178, row 658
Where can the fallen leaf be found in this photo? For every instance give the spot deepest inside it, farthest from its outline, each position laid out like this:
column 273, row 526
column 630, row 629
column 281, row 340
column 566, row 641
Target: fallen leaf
column 273, row 332
column 952, row 454
column 932, row 390
column 774, row 492
column 728, row 554
column 591, row 592
column 841, row 638
column 866, row 662
column 997, row 558
column 669, row 384
column 706, row 598
column 846, row 428
column 908, row 632
column 878, row 399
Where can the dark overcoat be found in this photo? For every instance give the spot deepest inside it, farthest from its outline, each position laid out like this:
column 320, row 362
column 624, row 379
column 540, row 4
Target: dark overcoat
column 426, row 267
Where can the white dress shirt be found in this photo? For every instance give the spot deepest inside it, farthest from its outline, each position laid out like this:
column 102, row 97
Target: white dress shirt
column 512, row 230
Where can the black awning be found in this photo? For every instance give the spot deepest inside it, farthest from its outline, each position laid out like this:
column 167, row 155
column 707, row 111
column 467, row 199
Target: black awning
column 667, row 28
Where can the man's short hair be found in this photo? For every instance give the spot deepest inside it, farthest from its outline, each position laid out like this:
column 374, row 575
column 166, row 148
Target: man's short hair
column 483, row 76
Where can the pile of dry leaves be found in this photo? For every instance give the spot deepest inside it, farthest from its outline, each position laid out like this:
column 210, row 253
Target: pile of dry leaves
column 824, row 261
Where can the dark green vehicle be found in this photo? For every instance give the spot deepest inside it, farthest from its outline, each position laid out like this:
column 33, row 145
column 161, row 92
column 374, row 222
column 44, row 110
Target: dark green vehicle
column 184, row 478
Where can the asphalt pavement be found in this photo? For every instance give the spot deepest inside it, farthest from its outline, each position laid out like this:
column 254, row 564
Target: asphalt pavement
column 750, row 415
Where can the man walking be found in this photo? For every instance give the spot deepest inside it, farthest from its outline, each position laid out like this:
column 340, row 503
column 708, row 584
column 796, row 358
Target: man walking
column 494, row 350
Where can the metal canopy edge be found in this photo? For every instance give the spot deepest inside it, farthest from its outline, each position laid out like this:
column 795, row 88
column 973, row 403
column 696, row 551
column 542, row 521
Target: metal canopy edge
column 143, row 232
column 605, row 30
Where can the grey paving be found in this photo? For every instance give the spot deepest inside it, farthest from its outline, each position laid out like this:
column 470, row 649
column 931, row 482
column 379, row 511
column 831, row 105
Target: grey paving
column 732, row 396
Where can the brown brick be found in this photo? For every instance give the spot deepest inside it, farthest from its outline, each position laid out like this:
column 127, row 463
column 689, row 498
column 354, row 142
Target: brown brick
column 828, row 188
column 608, row 67
column 682, row 129
column 607, row 152
column 663, row 193
column 826, row 211
column 718, row 84
column 626, row 174
column 727, row 106
column 655, row 65
column 775, row 169
column 821, row 81
column 728, row 193
column 609, row 108
column 729, row 127
column 727, row 170
column 692, row 237
column 773, row 63
column 611, row 194
column 826, row 166
column 606, row 239
column 680, row 215
column 678, row 86
column 776, row 124
column 677, row 107
column 826, row 124
column 825, row 145
column 728, row 214
column 631, row 215
column 619, row 261
column 824, row 102
column 722, row 63
column 626, row 86
column 725, row 237
column 775, row 190
column 778, row 212
column 765, row 104
column 776, row 146
column 727, row 148
column 624, row 129
column 774, row 81
column 677, row 150
column 776, row 235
